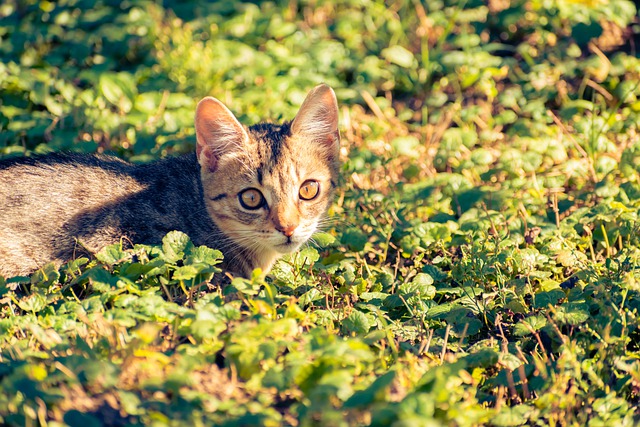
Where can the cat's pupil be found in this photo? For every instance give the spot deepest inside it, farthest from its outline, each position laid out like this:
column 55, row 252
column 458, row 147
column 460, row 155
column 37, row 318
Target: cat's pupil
column 309, row 189
column 251, row 199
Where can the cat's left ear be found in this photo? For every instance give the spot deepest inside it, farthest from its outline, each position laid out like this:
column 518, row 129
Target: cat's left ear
column 317, row 119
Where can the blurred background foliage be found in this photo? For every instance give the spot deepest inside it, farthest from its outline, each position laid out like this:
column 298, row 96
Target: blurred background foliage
column 124, row 76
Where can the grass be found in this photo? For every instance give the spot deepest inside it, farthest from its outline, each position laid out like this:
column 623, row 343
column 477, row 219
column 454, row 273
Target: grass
column 480, row 265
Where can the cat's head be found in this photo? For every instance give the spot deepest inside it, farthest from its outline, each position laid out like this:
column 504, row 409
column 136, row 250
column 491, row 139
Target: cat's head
column 267, row 186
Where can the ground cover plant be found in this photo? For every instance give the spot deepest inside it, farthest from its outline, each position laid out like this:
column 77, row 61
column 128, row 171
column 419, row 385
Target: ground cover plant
column 480, row 265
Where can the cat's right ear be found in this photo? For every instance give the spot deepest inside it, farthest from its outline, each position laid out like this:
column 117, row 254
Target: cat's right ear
column 317, row 119
column 218, row 132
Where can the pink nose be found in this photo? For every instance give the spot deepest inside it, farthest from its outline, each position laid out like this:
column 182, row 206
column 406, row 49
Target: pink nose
column 286, row 230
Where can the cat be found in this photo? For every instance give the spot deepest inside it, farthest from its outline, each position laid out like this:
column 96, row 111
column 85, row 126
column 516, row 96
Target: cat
column 253, row 192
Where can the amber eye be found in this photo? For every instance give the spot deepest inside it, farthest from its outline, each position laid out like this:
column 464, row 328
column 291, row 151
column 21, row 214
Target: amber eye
column 309, row 189
column 251, row 199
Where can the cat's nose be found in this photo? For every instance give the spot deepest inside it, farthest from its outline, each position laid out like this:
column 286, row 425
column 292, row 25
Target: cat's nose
column 287, row 230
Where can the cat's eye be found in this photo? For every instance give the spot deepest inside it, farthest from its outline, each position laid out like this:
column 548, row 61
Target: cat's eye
column 251, row 199
column 309, row 189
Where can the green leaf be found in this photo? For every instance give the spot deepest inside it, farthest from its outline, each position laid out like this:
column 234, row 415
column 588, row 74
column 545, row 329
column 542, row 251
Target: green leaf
column 33, row 303
column 246, row 286
column 484, row 358
column 546, row 299
column 406, row 145
column 306, row 256
column 510, row 361
column 46, row 276
column 399, row 55
column 112, row 254
column 323, row 239
column 528, row 325
column 377, row 391
column 440, row 310
column 76, row 264
column 204, row 255
column 356, row 323
column 355, row 239
column 421, row 285
column 206, row 329
column 572, row 314
column 119, row 89
column 174, row 246
column 100, row 279
column 512, row 416
column 186, row 272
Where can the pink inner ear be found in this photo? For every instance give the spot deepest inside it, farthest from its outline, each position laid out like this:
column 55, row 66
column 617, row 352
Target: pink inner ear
column 318, row 116
column 206, row 158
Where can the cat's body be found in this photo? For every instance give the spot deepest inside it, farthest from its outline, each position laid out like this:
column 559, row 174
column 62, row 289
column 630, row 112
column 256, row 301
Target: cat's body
column 254, row 193
column 58, row 207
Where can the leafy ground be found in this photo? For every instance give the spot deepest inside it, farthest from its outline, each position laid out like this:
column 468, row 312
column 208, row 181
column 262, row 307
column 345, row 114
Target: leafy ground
column 481, row 263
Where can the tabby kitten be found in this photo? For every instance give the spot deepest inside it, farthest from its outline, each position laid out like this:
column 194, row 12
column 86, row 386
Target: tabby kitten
column 254, row 193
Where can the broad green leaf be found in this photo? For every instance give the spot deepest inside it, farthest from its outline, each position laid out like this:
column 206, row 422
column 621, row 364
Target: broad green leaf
column 186, row 272
column 355, row 239
column 572, row 314
column 406, row 145
column 440, row 310
column 46, row 276
column 112, row 254
column 33, row 303
column 100, row 279
column 510, row 361
column 356, row 323
column 484, row 358
column 399, row 55
column 119, row 89
column 512, row 416
column 323, row 239
column 529, row 325
column 204, row 255
column 377, row 391
column 545, row 299
column 174, row 246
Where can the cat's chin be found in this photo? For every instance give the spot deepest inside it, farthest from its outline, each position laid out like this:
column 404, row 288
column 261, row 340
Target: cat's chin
column 269, row 249
column 287, row 248
column 266, row 255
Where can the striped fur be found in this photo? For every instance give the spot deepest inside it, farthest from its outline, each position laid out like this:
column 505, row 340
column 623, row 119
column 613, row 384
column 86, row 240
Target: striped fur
column 61, row 206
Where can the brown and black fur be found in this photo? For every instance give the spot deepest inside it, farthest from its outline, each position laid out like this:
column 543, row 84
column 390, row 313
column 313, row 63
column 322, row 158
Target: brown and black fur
column 60, row 206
